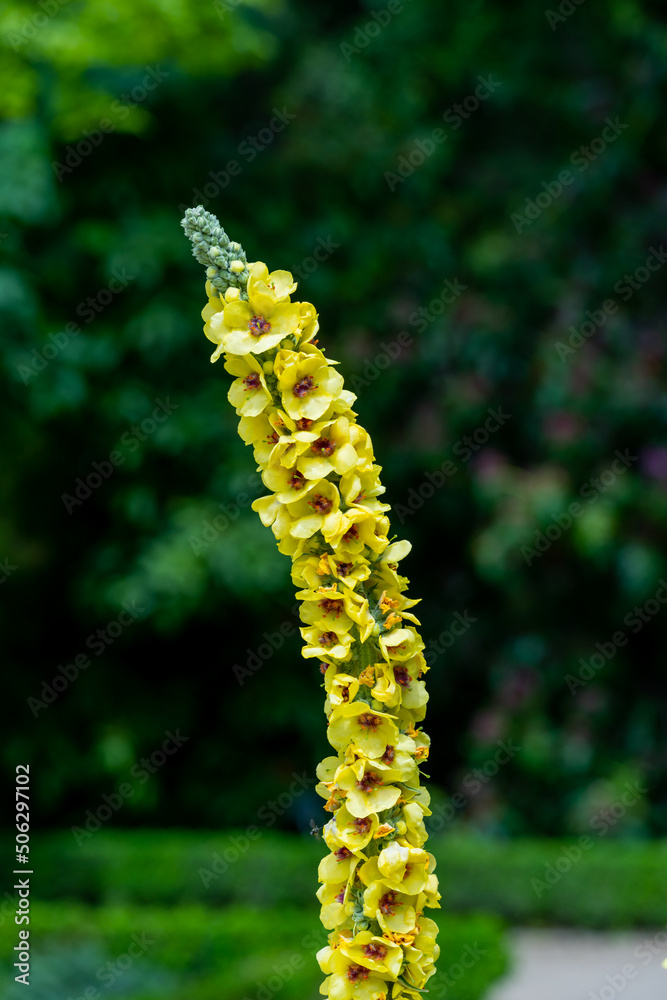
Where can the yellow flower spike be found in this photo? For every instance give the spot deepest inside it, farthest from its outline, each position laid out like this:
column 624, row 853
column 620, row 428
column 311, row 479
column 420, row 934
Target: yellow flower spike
column 324, row 508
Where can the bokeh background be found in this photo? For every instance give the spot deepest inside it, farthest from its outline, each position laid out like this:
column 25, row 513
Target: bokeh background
column 488, row 271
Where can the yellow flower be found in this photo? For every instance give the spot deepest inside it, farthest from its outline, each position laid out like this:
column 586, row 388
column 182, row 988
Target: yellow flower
column 257, row 325
column 376, row 953
column 327, row 642
column 308, row 385
column 336, row 907
column 362, row 489
column 351, row 981
column 318, row 511
column 359, row 528
column 279, row 284
column 338, row 866
column 413, row 817
column 394, row 911
column 330, row 450
column 287, row 484
column 355, row 832
column 341, row 688
column 367, row 730
column 401, row 644
column 366, row 791
column 248, row 393
column 405, row 868
column 309, row 322
column 367, row 677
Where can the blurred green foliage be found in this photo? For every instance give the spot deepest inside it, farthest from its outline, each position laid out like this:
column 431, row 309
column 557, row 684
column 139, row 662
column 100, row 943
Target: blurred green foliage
column 100, row 151
column 606, row 884
column 145, row 953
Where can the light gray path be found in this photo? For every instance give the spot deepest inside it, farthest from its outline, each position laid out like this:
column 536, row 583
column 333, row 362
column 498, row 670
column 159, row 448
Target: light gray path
column 583, row 965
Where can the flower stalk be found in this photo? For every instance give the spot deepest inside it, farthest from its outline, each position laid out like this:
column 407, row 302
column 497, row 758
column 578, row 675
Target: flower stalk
column 323, row 506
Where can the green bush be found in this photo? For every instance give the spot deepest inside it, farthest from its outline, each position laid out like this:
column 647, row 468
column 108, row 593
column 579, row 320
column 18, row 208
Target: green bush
column 512, row 340
column 206, row 954
column 612, row 884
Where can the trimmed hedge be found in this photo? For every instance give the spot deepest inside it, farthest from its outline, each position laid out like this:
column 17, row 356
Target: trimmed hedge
column 146, row 953
column 611, row 884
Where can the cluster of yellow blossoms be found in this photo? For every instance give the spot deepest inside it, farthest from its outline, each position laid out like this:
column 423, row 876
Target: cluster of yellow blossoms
column 323, row 507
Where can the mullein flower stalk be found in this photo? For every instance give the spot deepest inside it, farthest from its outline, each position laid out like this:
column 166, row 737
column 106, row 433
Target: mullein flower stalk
column 325, row 511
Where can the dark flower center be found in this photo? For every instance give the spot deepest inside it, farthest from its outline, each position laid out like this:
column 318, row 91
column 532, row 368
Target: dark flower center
column 344, row 568
column 321, row 504
column 389, row 754
column 369, row 781
column 297, row 481
column 362, row 825
column 328, row 639
column 304, row 385
column 402, row 676
column 357, row 972
column 387, row 902
column 375, row 951
column 304, row 424
column 258, row 325
column 369, row 721
column 329, row 606
column 323, row 446
column 252, row 381
column 342, row 854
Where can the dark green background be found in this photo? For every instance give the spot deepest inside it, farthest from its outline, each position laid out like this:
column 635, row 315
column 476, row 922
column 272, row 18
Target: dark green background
column 323, row 178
